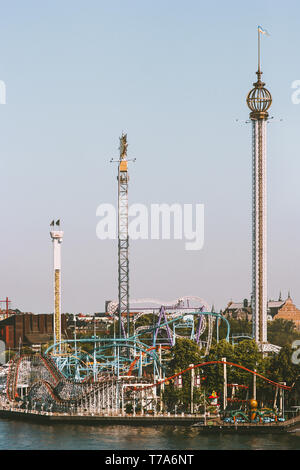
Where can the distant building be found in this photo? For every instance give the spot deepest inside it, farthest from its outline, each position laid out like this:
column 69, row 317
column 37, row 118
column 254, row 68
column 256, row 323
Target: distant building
column 290, row 312
column 238, row 310
column 29, row 329
column 284, row 309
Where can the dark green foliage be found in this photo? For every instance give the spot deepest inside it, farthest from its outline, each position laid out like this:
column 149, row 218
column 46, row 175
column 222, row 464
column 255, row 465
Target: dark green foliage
column 236, row 327
column 281, row 367
column 184, row 353
column 276, row 367
column 282, row 332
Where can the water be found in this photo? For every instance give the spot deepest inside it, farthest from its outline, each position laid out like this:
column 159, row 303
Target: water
column 21, row 435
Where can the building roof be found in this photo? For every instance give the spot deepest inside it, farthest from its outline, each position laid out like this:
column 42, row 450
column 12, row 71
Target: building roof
column 271, row 304
column 235, row 305
column 276, row 303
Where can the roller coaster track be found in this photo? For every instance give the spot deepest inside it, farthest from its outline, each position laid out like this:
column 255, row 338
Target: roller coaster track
column 49, row 389
column 131, row 367
column 104, row 362
column 173, row 304
column 43, row 393
column 134, row 340
column 146, row 329
column 211, row 315
column 46, row 384
column 65, row 395
column 177, row 303
column 203, row 364
column 209, row 335
column 50, row 372
column 42, row 390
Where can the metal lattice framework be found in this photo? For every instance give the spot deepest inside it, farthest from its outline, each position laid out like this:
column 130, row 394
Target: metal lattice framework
column 259, row 100
column 109, row 356
column 115, row 355
column 259, row 231
column 48, row 390
column 123, row 239
column 27, row 369
column 172, row 320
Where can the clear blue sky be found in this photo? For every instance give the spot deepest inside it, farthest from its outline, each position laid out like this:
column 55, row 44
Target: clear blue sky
column 174, row 75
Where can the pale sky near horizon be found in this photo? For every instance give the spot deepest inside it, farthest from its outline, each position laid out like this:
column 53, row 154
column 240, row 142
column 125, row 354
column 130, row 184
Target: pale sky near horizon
column 174, row 75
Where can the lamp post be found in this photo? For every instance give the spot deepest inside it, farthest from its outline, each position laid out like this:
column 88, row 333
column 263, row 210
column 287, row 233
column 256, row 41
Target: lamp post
column 224, row 384
column 254, row 385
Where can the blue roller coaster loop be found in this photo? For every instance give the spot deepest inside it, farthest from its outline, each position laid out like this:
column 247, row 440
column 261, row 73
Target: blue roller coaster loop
column 117, row 361
column 180, row 317
column 114, row 341
column 118, row 344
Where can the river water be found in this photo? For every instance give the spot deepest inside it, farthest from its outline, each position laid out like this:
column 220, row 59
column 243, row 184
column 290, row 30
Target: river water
column 20, row 435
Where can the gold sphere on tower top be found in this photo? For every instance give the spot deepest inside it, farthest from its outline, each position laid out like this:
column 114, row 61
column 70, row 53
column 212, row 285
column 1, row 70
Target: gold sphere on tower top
column 259, row 99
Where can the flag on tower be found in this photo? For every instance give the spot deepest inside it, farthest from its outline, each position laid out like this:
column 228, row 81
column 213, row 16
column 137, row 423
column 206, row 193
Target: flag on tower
column 263, row 31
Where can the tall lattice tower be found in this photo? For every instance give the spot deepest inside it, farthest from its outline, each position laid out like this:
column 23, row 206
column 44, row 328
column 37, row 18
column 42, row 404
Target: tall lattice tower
column 123, row 238
column 259, row 101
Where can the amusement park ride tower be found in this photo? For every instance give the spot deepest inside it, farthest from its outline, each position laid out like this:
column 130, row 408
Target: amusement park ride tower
column 259, row 101
column 57, row 238
column 123, row 237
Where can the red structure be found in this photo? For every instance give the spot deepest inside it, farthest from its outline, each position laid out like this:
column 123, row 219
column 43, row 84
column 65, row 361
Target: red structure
column 7, row 302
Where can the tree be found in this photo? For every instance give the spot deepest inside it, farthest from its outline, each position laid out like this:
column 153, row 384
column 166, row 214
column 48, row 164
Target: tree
column 282, row 369
column 183, row 353
column 282, row 332
column 214, row 373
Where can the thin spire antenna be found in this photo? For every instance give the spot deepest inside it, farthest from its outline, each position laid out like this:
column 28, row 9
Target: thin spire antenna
column 258, row 46
column 260, row 31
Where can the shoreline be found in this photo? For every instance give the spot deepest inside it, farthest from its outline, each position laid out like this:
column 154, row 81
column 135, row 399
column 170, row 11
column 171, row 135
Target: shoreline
column 191, row 421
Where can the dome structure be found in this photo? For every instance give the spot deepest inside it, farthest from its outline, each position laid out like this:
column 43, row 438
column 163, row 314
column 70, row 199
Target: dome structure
column 259, row 99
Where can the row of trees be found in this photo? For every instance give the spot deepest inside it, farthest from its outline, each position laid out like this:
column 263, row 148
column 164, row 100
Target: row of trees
column 276, row 367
